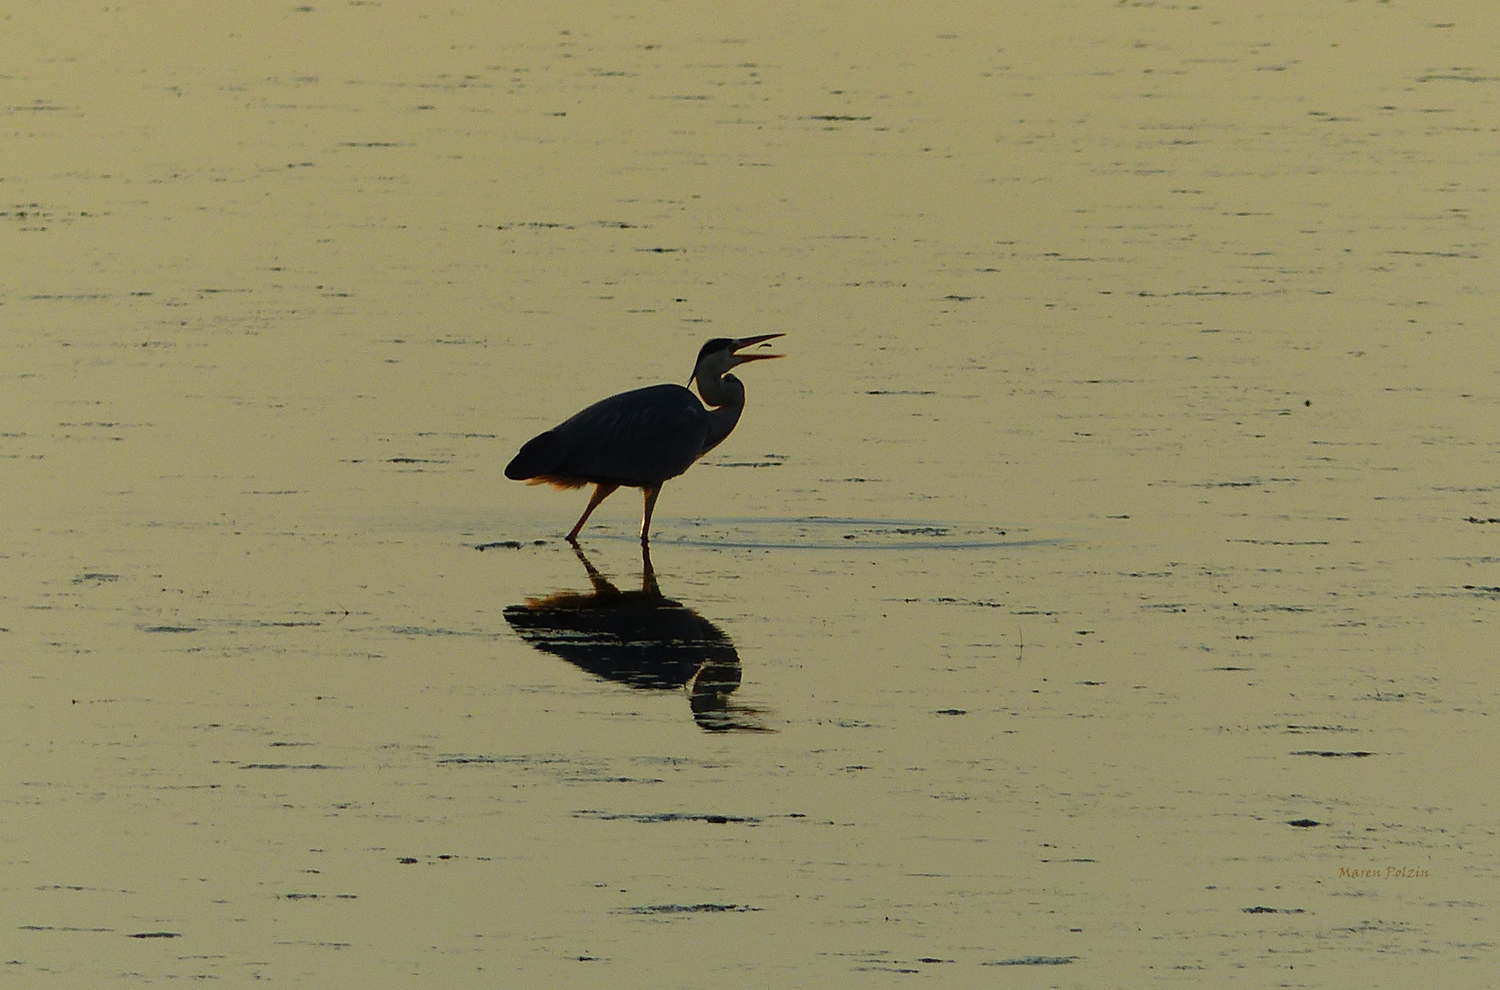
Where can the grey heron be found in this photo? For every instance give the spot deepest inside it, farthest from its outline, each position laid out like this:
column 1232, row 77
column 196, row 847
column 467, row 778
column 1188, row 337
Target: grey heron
column 644, row 437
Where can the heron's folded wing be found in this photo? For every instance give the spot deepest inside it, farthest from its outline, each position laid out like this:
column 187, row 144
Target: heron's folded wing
column 639, row 438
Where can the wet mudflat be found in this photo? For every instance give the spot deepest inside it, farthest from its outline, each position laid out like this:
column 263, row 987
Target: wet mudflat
column 1101, row 593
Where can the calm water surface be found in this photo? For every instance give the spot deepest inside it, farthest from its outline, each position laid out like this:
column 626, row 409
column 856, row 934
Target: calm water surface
column 1102, row 592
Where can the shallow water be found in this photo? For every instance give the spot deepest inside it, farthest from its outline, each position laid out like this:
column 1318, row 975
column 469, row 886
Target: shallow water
column 1100, row 593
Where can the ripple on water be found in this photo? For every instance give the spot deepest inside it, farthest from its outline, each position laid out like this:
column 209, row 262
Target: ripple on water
column 834, row 533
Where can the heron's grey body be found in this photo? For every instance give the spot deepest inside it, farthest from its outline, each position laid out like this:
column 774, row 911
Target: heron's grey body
column 641, row 438
column 637, row 439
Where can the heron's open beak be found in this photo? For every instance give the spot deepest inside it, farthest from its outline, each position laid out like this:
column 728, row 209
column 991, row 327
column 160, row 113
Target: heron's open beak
column 744, row 342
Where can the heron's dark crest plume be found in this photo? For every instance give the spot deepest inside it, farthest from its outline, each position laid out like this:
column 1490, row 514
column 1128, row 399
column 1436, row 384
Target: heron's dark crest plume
column 644, row 437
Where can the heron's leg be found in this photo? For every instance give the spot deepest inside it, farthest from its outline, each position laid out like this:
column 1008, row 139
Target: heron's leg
column 650, row 494
column 601, row 492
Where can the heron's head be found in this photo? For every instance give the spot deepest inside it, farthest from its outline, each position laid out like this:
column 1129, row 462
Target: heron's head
column 722, row 353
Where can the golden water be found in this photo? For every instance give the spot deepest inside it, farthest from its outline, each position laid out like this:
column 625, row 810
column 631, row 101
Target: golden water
column 1129, row 493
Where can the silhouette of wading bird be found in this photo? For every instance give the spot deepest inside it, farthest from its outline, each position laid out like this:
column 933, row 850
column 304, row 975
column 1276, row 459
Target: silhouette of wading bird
column 642, row 438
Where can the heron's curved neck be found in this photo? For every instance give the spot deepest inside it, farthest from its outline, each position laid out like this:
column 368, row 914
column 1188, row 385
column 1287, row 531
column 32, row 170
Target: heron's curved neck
column 726, row 398
column 721, row 390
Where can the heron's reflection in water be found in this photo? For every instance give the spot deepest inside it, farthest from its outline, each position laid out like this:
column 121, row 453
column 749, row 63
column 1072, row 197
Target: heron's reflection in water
column 642, row 639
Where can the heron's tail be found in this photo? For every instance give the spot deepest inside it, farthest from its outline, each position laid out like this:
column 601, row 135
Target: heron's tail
column 539, row 456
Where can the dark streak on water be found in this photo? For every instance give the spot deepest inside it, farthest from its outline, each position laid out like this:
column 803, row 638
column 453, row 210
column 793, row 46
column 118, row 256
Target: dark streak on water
column 811, row 533
column 287, row 766
column 689, row 909
column 677, row 816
